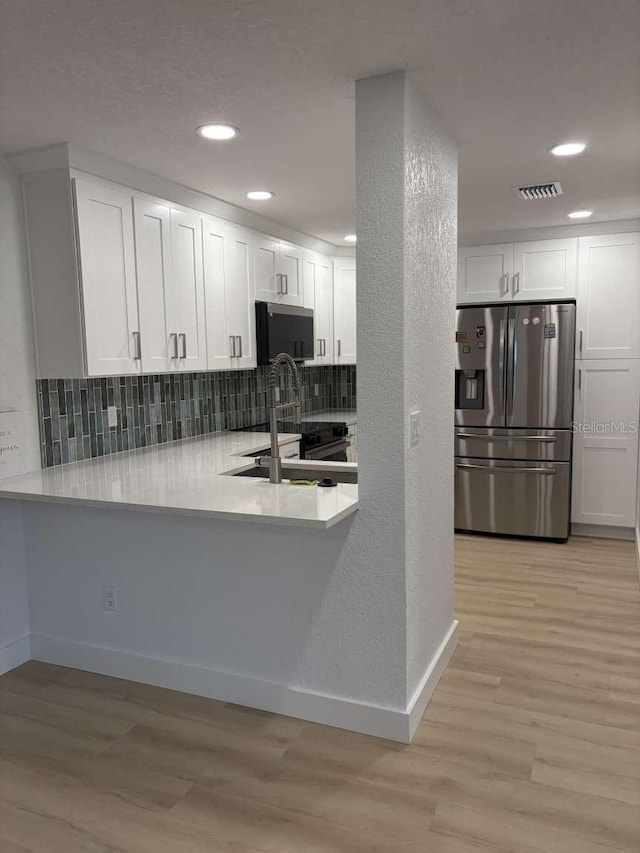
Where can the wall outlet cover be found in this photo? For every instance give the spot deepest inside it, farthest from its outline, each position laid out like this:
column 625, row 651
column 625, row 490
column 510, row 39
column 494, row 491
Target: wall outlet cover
column 110, row 599
column 112, row 416
column 414, row 428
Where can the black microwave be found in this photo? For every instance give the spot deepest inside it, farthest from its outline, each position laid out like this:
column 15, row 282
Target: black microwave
column 283, row 328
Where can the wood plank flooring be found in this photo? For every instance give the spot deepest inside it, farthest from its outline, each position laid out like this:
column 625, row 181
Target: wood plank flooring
column 531, row 743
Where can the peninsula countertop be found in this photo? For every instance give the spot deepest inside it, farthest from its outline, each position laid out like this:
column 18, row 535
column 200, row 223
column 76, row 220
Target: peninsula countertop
column 190, row 477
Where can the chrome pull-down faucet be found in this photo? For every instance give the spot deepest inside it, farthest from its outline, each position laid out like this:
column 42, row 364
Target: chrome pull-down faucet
column 283, row 359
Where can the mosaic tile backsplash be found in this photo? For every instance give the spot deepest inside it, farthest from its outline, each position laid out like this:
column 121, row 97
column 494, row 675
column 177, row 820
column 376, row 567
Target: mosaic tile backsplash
column 157, row 408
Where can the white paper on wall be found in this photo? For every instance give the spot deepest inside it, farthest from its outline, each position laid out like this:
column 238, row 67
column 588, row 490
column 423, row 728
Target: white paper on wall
column 11, row 444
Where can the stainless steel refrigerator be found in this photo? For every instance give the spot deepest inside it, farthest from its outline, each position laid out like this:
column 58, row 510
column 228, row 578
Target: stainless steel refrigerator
column 514, row 406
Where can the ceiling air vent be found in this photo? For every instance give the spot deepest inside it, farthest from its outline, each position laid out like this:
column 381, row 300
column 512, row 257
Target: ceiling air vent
column 533, row 191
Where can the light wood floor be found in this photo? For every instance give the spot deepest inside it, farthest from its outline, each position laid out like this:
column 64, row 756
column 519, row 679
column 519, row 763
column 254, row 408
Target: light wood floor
column 531, row 743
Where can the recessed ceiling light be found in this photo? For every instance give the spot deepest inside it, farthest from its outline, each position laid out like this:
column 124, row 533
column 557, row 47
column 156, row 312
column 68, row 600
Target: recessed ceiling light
column 217, row 131
column 260, row 195
column 350, row 238
column 568, row 149
column 580, row 214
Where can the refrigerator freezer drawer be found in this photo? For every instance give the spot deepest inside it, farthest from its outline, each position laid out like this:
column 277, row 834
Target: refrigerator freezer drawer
column 501, row 443
column 512, row 497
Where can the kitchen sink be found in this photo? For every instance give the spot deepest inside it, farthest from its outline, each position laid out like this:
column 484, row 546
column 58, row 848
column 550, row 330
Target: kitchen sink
column 300, row 472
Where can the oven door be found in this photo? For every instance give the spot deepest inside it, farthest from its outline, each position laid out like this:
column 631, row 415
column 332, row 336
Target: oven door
column 335, row 451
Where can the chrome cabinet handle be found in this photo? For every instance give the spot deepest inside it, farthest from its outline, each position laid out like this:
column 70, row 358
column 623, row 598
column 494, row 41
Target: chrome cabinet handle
column 580, row 342
column 232, row 346
column 580, row 379
column 547, row 438
column 504, row 284
column 239, row 340
column 522, row 470
column 516, row 283
column 183, row 338
column 339, row 342
column 173, row 338
column 324, row 346
column 279, row 283
column 137, row 354
column 286, row 283
column 319, row 346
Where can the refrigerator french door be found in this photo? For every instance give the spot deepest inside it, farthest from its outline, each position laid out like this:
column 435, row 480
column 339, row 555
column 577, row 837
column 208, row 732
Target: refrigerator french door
column 513, row 405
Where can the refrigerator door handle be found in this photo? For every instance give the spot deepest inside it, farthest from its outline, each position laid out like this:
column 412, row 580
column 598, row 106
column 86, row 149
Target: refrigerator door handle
column 511, row 357
column 501, row 352
column 521, row 470
column 548, row 438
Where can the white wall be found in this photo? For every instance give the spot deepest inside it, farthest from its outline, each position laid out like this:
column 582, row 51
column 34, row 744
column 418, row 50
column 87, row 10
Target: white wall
column 17, row 393
column 406, row 224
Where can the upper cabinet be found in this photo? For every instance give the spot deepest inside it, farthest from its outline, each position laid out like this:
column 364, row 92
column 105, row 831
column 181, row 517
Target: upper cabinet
column 608, row 312
column 108, row 279
column 318, row 295
column 512, row 272
column 170, row 288
column 344, row 310
column 230, row 310
column 484, row 273
column 278, row 271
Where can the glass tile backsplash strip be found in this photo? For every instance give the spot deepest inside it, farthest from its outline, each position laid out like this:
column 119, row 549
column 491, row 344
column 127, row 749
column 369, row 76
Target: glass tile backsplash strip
column 157, row 408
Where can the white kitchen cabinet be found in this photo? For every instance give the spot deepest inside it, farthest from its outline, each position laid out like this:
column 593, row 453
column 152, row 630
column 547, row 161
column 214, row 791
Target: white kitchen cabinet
column 318, row 295
column 188, row 287
column 108, row 279
column 518, row 272
column 484, row 273
column 277, row 271
column 608, row 304
column 605, row 442
column 156, row 298
column 544, row 269
column 344, row 310
column 230, row 314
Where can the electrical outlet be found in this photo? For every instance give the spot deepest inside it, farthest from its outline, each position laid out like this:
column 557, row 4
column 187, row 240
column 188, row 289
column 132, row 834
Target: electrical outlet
column 110, row 599
column 316, row 390
column 414, row 428
column 112, row 416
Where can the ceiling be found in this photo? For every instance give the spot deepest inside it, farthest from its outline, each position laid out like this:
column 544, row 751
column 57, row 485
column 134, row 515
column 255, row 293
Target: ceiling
column 133, row 78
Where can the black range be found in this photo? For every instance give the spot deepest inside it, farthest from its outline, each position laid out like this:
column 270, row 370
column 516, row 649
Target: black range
column 319, row 440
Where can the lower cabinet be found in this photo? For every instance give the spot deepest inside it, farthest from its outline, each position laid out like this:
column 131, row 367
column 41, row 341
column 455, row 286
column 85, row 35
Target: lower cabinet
column 605, row 442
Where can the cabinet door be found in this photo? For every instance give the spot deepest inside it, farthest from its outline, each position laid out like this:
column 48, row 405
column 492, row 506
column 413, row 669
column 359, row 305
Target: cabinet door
column 290, row 267
column 310, row 273
column 158, row 343
column 484, row 273
column 605, row 442
column 239, row 299
column 108, row 277
column 266, row 259
column 608, row 313
column 324, row 312
column 215, row 235
column 187, row 312
column 544, row 269
column 344, row 310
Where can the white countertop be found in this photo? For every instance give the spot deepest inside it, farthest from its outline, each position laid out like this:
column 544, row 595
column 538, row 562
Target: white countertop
column 347, row 416
column 188, row 478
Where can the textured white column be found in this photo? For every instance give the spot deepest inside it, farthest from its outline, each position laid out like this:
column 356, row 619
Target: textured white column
column 406, row 193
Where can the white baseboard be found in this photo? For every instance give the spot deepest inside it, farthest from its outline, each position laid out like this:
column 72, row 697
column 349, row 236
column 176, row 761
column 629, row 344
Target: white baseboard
column 390, row 723
column 14, row 653
column 603, row 531
column 430, row 679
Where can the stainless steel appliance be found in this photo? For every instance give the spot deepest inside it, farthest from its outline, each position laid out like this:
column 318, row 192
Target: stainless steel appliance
column 283, row 329
column 513, row 405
